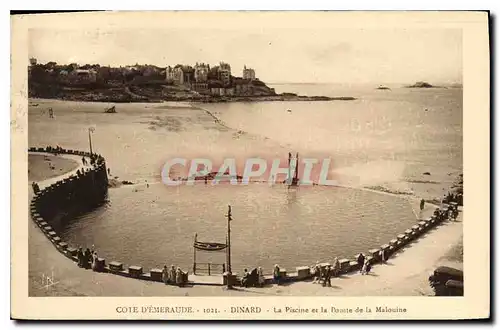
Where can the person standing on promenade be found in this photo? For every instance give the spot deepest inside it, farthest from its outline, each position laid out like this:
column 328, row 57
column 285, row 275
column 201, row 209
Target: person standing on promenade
column 172, row 275
column 164, row 275
column 317, row 273
column 260, row 273
column 178, row 277
column 328, row 275
column 35, row 187
column 366, row 268
column 336, row 267
column 87, row 258
column 94, row 261
column 361, row 261
column 79, row 255
column 382, row 255
column 276, row 274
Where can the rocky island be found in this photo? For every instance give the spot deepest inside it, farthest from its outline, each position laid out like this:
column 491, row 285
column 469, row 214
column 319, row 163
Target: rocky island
column 149, row 83
column 421, row 84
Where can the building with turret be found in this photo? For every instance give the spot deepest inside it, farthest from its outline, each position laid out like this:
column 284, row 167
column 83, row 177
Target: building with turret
column 170, row 74
column 201, row 72
column 224, row 73
column 248, row 73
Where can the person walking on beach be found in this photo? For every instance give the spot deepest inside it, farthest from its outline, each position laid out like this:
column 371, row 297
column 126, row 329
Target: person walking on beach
column 164, row 275
column 51, row 113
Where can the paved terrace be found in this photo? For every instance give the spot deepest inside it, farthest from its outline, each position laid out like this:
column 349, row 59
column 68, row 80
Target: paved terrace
column 405, row 274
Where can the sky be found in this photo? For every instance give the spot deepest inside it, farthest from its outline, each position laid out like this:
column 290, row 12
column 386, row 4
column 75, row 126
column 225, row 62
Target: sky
column 309, row 55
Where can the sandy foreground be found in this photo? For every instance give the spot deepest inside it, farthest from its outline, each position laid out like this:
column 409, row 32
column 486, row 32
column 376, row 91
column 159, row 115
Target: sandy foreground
column 405, row 274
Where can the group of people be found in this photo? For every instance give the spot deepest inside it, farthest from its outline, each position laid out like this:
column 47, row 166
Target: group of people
column 87, row 259
column 173, row 276
column 451, row 214
column 364, row 264
column 323, row 275
column 254, row 278
column 36, row 188
column 54, row 150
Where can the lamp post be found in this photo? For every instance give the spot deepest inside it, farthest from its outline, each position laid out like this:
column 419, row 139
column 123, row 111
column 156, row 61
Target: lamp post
column 229, row 272
column 91, row 130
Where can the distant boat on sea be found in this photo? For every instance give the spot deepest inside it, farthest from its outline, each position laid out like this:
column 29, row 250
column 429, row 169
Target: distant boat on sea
column 289, row 110
column 382, row 87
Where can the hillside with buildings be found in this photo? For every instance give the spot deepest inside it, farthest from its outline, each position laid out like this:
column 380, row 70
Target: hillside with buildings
column 149, row 83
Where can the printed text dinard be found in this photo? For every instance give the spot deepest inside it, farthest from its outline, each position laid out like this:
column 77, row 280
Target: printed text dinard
column 257, row 310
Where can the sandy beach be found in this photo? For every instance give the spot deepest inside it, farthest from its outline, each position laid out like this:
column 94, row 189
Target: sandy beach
column 41, row 167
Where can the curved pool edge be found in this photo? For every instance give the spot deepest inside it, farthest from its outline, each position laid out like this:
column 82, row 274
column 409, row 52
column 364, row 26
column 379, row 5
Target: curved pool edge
column 96, row 176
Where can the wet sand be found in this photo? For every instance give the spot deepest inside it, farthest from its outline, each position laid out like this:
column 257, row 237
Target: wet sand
column 41, row 167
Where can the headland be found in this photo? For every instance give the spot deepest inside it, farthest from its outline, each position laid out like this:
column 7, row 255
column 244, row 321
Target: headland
column 153, row 84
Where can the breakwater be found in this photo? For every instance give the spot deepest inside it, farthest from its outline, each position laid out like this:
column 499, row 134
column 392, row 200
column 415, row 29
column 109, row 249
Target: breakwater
column 69, row 197
column 50, row 219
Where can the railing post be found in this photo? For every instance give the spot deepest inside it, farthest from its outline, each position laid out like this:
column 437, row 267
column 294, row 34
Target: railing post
column 208, row 268
column 223, row 268
column 194, row 268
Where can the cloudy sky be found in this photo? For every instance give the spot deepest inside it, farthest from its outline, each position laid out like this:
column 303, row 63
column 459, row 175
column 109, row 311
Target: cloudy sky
column 278, row 55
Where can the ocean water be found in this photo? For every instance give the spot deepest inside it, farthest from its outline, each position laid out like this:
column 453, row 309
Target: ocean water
column 383, row 136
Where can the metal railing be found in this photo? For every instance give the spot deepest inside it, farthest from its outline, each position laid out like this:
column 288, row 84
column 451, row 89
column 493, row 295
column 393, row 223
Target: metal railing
column 208, row 267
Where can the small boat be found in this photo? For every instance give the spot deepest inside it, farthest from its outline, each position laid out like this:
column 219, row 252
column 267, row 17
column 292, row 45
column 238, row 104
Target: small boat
column 208, row 246
column 110, row 110
column 289, row 110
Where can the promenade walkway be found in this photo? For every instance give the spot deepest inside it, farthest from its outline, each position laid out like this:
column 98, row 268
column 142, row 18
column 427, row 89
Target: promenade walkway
column 405, row 274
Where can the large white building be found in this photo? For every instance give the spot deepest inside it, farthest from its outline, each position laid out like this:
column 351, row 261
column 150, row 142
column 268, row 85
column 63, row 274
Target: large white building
column 201, row 72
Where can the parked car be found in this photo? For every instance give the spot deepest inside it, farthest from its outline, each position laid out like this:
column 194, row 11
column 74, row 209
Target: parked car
column 447, row 281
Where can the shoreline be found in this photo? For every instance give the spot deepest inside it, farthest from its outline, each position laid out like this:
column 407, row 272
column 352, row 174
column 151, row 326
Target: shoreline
column 202, row 100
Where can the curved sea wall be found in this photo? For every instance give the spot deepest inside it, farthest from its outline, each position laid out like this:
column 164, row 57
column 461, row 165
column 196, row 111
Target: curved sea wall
column 87, row 190
column 65, row 199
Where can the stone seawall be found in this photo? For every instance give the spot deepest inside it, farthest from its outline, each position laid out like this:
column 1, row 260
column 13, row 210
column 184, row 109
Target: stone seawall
column 69, row 197
column 87, row 190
